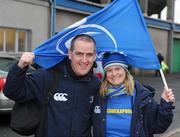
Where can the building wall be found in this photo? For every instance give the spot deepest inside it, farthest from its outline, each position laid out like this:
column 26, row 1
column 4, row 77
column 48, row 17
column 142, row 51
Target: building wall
column 67, row 18
column 160, row 40
column 177, row 34
column 27, row 14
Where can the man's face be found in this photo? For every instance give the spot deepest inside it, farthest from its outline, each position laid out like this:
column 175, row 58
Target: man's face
column 82, row 57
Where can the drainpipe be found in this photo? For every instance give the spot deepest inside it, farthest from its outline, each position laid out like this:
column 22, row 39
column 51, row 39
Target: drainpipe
column 170, row 17
column 144, row 6
column 53, row 16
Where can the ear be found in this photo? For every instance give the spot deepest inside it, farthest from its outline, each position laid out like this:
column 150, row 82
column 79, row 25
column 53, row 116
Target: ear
column 69, row 54
column 95, row 57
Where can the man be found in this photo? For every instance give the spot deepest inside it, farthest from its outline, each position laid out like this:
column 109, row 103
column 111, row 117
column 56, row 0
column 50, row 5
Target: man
column 70, row 107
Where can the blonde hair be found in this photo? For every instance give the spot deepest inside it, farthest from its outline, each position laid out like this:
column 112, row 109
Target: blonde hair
column 128, row 83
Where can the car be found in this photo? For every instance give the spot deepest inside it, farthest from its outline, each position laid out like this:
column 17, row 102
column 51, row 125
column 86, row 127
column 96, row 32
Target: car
column 98, row 70
column 6, row 104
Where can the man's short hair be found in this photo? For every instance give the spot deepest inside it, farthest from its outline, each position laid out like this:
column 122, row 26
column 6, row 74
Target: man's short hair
column 83, row 37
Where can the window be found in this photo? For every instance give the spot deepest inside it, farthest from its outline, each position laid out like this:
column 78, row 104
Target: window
column 13, row 40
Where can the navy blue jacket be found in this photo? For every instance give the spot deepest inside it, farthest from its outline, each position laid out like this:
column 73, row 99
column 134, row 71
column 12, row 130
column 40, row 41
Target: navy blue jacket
column 148, row 117
column 70, row 108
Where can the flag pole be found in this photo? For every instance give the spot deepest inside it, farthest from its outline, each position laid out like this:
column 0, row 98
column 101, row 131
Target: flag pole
column 163, row 78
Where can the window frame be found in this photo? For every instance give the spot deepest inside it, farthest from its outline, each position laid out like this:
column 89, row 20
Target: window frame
column 16, row 36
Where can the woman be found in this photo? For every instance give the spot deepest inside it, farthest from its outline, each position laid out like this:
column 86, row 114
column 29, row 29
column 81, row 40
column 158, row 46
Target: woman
column 125, row 107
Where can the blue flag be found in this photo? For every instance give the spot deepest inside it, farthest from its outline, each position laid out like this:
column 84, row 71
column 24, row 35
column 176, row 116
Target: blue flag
column 119, row 27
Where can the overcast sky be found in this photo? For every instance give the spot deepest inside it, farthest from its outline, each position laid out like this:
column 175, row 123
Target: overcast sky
column 177, row 11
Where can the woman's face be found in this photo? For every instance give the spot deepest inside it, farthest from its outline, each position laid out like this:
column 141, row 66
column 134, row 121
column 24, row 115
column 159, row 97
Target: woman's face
column 115, row 75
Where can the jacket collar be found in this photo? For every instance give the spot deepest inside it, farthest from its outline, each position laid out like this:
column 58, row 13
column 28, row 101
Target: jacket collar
column 144, row 90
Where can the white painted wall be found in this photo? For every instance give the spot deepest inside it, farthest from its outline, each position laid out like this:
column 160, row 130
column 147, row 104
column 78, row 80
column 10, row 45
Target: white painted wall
column 27, row 14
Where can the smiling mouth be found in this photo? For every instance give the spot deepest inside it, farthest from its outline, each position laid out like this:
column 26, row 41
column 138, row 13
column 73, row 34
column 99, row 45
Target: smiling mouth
column 84, row 65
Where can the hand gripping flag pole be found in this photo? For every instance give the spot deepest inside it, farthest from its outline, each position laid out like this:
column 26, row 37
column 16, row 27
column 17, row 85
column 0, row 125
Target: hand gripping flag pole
column 164, row 81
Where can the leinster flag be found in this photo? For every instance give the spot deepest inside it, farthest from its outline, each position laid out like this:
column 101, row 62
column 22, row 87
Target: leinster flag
column 119, row 27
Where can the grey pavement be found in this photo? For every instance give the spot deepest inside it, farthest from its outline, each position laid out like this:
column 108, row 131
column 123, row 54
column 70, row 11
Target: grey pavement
column 173, row 81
